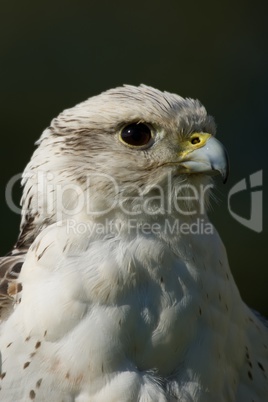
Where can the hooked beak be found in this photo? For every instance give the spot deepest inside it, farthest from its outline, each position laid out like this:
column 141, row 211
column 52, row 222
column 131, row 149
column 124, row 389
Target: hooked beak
column 202, row 153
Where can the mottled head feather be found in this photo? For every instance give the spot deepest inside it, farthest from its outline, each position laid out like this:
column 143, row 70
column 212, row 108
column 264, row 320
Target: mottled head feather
column 129, row 103
column 82, row 140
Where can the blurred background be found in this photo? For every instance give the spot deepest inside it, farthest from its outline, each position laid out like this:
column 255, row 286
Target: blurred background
column 55, row 54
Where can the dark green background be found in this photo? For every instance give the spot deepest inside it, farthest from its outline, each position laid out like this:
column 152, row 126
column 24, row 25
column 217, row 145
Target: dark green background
column 56, row 54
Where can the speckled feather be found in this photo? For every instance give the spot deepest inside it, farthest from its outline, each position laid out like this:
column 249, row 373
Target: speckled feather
column 131, row 316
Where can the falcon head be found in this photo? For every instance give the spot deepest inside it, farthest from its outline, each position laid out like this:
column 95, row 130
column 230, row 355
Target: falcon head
column 122, row 150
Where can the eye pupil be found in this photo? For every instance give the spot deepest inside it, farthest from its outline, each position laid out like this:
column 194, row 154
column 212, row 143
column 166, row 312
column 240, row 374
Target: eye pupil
column 136, row 134
column 195, row 140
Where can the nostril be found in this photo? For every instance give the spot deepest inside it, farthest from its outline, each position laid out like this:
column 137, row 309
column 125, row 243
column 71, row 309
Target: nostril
column 195, row 140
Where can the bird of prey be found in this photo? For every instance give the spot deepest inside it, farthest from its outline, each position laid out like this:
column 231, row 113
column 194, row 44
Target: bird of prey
column 118, row 288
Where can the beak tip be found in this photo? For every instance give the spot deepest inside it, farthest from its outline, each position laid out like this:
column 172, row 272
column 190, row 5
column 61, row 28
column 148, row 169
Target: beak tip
column 226, row 172
column 224, row 179
column 224, row 166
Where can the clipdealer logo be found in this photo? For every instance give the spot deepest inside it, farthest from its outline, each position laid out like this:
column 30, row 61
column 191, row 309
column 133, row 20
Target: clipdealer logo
column 252, row 187
column 255, row 192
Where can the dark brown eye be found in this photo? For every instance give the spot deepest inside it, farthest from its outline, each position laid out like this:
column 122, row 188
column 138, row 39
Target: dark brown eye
column 136, row 134
column 195, row 140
